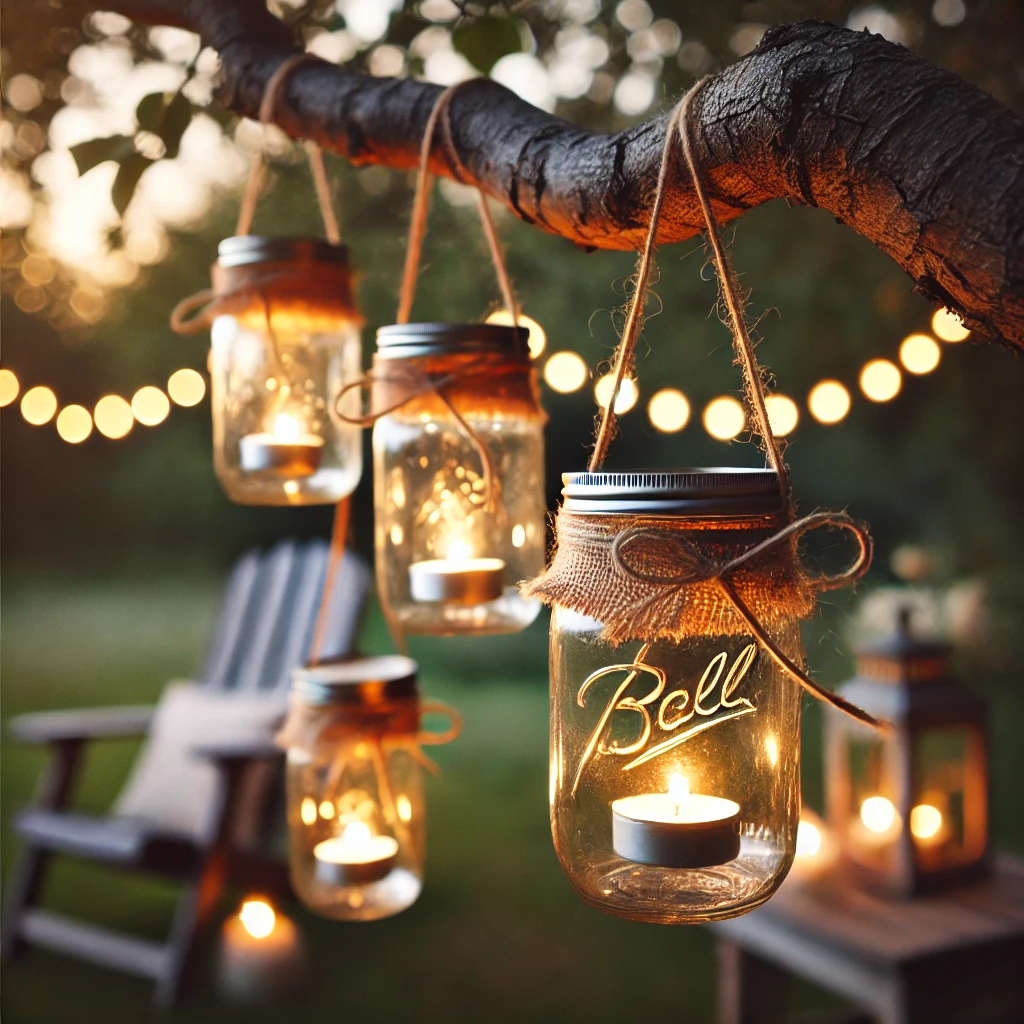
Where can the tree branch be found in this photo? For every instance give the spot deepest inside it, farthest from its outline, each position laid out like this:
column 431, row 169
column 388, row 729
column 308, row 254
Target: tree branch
column 927, row 167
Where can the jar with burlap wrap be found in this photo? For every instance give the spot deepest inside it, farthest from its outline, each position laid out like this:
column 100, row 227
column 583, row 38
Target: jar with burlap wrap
column 285, row 340
column 675, row 738
column 356, row 811
column 458, row 477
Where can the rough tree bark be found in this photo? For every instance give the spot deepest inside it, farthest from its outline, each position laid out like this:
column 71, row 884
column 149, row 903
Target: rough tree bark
column 926, row 166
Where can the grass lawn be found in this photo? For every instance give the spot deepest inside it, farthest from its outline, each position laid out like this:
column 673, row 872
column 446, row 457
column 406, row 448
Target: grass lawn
column 497, row 934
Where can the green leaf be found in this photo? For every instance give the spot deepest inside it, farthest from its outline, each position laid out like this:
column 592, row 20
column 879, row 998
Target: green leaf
column 166, row 115
column 97, row 151
column 485, row 41
column 128, row 175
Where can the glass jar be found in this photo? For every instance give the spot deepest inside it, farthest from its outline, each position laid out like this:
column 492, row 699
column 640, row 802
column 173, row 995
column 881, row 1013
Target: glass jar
column 285, row 340
column 675, row 739
column 458, row 477
column 356, row 811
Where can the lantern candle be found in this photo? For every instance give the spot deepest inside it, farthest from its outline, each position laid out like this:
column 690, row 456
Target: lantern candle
column 677, row 829
column 284, row 453
column 457, row 579
column 261, row 954
column 356, row 857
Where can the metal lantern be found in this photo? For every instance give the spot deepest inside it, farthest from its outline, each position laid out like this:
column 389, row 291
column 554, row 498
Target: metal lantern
column 675, row 739
column 458, row 454
column 356, row 813
column 910, row 806
column 285, row 340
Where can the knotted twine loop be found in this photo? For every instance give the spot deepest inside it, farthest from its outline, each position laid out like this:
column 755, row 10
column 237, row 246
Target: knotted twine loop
column 690, row 572
column 196, row 312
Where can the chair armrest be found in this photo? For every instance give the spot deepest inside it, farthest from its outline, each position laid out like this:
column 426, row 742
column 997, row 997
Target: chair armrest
column 82, row 724
column 227, row 751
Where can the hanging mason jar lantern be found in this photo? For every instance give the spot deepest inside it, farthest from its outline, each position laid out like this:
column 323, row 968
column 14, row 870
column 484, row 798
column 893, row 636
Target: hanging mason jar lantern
column 356, row 813
column 285, row 341
column 910, row 806
column 675, row 738
column 458, row 477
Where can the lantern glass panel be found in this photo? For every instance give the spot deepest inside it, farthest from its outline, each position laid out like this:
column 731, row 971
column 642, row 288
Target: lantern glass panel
column 356, row 807
column 459, row 486
column 285, row 343
column 947, row 817
column 875, row 820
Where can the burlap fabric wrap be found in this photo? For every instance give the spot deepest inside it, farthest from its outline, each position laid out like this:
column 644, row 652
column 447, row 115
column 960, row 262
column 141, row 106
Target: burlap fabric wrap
column 311, row 288
column 648, row 578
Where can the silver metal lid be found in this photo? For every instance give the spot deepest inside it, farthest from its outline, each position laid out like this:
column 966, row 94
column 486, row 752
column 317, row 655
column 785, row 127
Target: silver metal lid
column 241, row 250
column 725, row 491
column 357, row 681
column 399, row 341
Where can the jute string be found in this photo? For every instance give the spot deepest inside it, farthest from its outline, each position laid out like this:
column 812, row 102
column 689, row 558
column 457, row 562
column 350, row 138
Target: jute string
column 687, row 568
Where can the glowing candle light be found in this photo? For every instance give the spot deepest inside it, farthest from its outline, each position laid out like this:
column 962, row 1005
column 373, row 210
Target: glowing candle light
column 356, row 857
column 677, row 829
column 459, row 578
column 261, row 953
column 286, row 452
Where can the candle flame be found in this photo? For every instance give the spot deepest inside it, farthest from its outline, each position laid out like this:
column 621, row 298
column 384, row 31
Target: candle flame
column 257, row 918
column 678, row 789
column 356, row 833
column 808, row 839
column 878, row 814
column 286, row 428
column 458, row 551
column 925, row 821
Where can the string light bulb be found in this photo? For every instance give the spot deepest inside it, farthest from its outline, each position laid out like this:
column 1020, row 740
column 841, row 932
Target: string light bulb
column 113, row 416
column 74, row 424
column 828, row 401
column 627, row 396
column 186, row 387
column 9, row 387
column 150, row 406
column 668, row 410
column 537, row 340
column 38, row 405
column 920, row 353
column 880, row 380
column 565, row 372
column 948, row 326
column 724, row 418
column 783, row 415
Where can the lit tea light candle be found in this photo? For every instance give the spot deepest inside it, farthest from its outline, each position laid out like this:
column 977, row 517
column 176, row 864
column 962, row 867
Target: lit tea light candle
column 677, row 829
column 457, row 579
column 356, row 857
column 816, row 850
column 287, row 452
column 261, row 954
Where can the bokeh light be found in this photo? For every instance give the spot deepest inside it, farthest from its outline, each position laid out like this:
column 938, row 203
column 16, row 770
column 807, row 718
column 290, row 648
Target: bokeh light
column 920, row 353
column 74, row 424
column 808, row 839
column 565, row 372
column 878, row 814
column 9, row 387
column 186, row 387
column 537, row 340
column 113, row 416
column 828, row 401
column 724, row 418
column 150, row 406
column 38, row 405
column 783, row 415
column 669, row 410
column 258, row 918
column 880, row 380
column 948, row 326
column 628, row 393
column 925, row 821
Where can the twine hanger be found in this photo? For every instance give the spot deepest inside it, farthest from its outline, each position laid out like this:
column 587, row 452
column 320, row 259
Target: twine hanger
column 691, row 567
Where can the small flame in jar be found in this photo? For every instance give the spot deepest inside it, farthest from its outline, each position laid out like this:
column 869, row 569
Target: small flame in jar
column 286, row 428
column 678, row 790
column 458, row 551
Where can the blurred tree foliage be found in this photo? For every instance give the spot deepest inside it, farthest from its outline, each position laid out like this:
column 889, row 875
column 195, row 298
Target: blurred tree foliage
column 941, row 464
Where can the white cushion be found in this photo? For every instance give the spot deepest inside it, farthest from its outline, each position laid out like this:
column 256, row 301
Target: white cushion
column 170, row 784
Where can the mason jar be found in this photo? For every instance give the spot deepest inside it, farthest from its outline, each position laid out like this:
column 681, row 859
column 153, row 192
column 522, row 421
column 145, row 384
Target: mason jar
column 356, row 811
column 458, row 477
column 675, row 739
column 285, row 340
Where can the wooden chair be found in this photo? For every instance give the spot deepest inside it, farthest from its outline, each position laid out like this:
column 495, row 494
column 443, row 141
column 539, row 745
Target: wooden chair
column 195, row 805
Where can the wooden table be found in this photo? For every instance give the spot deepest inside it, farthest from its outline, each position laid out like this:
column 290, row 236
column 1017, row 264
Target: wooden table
column 957, row 957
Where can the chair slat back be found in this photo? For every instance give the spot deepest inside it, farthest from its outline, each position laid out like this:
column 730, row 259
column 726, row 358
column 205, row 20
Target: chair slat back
column 269, row 616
